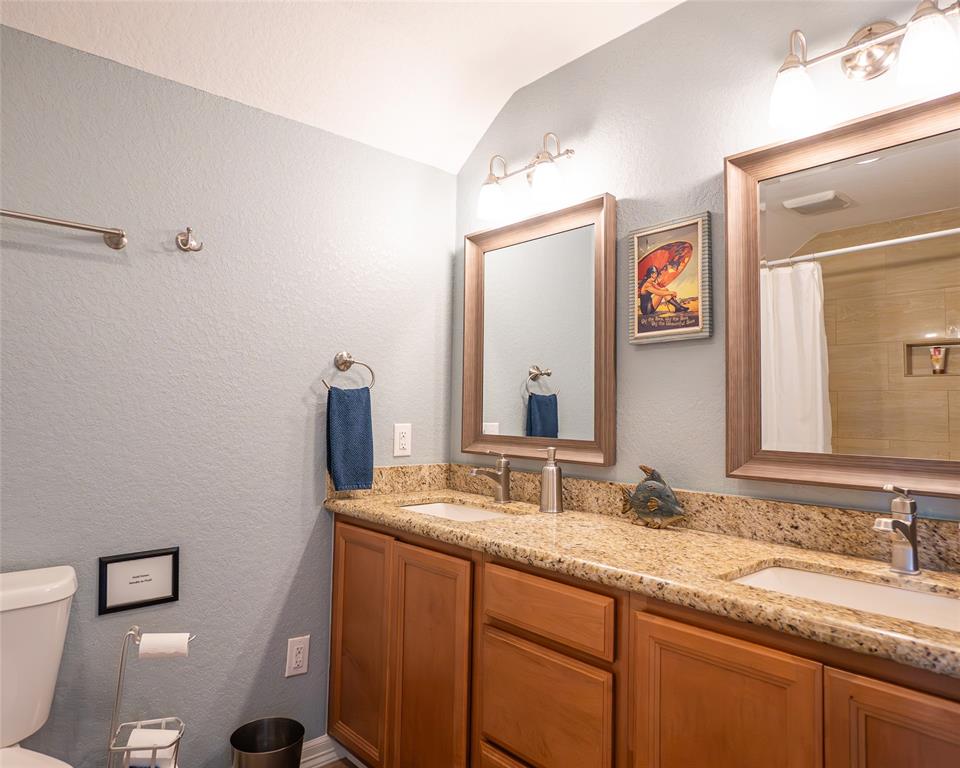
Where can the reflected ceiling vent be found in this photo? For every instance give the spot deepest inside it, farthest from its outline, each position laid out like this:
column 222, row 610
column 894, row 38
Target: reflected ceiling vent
column 820, row 202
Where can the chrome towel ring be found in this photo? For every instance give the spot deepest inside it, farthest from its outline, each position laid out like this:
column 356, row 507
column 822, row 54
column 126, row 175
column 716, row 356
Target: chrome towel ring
column 535, row 373
column 344, row 361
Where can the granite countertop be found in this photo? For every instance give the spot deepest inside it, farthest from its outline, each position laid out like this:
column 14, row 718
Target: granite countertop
column 681, row 566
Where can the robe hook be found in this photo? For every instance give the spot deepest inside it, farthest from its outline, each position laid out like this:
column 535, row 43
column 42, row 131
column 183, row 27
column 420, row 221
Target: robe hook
column 185, row 242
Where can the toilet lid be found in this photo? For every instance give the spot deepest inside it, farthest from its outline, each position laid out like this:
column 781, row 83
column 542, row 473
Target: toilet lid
column 18, row 757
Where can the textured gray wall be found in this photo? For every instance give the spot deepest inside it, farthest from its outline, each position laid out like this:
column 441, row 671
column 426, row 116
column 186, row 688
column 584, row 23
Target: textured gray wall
column 153, row 398
column 651, row 116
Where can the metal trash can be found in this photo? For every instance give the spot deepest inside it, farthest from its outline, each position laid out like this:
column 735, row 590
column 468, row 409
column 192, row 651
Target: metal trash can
column 270, row 742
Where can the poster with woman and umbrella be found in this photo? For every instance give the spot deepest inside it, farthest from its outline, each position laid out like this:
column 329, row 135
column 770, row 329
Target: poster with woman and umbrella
column 670, row 281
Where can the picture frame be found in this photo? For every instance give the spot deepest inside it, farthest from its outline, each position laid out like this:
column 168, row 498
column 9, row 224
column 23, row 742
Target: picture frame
column 670, row 281
column 138, row 579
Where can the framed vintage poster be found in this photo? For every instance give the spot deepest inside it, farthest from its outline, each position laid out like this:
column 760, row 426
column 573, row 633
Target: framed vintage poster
column 670, row 281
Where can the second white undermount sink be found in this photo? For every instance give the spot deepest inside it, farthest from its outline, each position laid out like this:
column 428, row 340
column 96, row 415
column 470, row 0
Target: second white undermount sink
column 922, row 607
column 461, row 512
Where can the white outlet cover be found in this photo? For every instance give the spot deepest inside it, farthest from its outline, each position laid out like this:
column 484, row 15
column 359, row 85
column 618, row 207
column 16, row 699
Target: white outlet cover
column 402, row 439
column 298, row 656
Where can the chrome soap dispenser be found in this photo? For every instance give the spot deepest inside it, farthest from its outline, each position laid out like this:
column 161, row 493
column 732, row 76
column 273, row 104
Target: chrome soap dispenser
column 551, row 484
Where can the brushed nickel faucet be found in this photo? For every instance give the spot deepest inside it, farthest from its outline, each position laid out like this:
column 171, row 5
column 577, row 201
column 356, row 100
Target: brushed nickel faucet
column 500, row 476
column 902, row 523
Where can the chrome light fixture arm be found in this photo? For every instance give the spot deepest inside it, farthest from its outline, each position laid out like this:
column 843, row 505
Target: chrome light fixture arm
column 543, row 156
column 862, row 40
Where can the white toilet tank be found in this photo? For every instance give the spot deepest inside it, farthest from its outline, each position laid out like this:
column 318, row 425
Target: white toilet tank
column 34, row 611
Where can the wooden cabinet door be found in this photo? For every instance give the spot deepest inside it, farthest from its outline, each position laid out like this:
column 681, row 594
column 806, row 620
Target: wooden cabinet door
column 359, row 641
column 550, row 710
column 703, row 699
column 870, row 724
column 430, row 666
column 491, row 757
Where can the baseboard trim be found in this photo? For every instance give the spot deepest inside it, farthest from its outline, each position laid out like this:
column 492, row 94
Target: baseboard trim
column 324, row 750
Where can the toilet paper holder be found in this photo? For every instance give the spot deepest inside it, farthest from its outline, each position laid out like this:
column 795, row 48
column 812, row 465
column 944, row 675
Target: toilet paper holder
column 164, row 750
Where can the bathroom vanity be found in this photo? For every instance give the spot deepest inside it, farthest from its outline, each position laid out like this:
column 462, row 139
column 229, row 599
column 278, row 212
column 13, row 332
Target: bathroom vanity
column 517, row 639
column 582, row 640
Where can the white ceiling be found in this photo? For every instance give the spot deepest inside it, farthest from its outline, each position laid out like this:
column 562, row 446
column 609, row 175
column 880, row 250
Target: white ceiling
column 422, row 80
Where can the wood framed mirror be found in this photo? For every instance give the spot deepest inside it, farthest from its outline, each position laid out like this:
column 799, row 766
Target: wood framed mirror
column 843, row 271
column 539, row 332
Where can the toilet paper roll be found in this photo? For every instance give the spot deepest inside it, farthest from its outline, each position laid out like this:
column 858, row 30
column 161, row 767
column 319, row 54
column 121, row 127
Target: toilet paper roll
column 164, row 645
column 151, row 738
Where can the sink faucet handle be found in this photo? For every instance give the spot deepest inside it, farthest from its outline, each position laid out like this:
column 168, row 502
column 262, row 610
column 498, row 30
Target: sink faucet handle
column 502, row 460
column 891, row 488
column 903, row 504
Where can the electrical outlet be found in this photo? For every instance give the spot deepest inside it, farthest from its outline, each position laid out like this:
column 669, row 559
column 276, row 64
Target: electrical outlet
column 402, row 439
column 298, row 656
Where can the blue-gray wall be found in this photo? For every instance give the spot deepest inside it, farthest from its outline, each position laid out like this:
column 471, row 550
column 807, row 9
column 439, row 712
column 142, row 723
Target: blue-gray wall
column 651, row 116
column 153, row 397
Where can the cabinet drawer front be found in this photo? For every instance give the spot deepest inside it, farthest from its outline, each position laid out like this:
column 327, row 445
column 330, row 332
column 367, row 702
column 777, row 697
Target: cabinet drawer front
column 549, row 710
column 491, row 757
column 706, row 699
column 879, row 725
column 574, row 617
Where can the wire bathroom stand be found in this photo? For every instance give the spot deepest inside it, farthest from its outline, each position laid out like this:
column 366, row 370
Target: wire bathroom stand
column 119, row 750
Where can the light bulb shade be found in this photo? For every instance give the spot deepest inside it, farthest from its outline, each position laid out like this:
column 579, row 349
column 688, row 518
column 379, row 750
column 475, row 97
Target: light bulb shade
column 929, row 57
column 490, row 202
column 794, row 106
column 547, row 184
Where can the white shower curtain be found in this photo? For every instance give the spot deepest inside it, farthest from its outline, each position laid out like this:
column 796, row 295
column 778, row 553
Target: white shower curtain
column 794, row 391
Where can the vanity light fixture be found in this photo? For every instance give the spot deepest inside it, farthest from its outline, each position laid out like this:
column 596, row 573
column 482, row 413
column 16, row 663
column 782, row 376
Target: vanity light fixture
column 543, row 177
column 793, row 103
column 930, row 51
column 926, row 47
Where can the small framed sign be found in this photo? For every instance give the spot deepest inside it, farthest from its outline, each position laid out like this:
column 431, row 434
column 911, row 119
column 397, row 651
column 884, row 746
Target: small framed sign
column 138, row 579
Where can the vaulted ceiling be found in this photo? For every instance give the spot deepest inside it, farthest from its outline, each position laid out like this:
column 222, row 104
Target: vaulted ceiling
column 422, row 80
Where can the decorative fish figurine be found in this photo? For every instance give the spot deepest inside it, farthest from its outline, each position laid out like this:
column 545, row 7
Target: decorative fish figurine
column 653, row 501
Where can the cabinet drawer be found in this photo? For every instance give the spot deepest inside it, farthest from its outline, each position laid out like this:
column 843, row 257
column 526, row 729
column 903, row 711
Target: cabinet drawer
column 549, row 710
column 491, row 757
column 574, row 617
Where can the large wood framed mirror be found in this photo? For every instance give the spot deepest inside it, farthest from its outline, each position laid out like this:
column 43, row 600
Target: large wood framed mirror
column 843, row 290
column 538, row 336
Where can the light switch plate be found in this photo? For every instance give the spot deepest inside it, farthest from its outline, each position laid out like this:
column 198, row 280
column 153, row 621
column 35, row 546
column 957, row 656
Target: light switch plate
column 402, row 439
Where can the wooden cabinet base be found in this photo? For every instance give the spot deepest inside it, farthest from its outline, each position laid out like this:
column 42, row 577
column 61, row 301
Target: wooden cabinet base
column 870, row 724
column 702, row 699
column 571, row 675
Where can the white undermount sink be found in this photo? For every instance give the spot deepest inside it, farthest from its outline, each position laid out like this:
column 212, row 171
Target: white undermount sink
column 462, row 512
column 922, row 607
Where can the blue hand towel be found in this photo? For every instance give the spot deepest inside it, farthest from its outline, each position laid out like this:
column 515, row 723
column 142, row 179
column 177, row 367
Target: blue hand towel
column 349, row 438
column 542, row 419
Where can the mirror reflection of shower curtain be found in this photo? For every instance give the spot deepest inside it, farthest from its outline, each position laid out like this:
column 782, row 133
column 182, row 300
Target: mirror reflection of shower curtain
column 794, row 381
